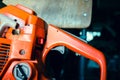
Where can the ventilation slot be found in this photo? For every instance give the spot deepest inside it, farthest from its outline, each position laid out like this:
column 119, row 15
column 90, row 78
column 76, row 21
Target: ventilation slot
column 4, row 54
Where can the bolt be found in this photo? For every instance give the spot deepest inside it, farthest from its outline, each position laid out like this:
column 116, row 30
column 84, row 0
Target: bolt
column 16, row 32
column 85, row 14
column 22, row 52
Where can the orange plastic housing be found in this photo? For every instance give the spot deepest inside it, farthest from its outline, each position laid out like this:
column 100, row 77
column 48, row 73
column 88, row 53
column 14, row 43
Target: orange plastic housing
column 20, row 47
column 58, row 37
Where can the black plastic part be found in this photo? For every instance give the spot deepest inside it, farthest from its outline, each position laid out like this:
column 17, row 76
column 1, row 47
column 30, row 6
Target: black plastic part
column 2, row 4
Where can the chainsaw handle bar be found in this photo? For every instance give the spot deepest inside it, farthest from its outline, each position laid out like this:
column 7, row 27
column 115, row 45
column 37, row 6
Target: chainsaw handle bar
column 58, row 37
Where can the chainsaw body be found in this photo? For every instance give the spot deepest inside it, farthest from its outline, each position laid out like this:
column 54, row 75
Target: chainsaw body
column 22, row 34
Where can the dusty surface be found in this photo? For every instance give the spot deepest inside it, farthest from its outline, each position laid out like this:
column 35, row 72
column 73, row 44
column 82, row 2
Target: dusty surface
column 62, row 13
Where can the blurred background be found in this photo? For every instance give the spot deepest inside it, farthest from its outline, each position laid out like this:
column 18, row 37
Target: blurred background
column 103, row 33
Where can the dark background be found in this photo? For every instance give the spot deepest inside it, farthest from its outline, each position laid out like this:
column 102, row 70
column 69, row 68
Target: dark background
column 105, row 19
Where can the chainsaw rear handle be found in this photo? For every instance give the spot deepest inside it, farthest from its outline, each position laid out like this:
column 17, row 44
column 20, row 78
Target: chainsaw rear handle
column 58, row 37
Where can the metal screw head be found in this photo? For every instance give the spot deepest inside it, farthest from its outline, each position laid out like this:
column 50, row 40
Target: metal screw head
column 16, row 32
column 84, row 14
column 22, row 52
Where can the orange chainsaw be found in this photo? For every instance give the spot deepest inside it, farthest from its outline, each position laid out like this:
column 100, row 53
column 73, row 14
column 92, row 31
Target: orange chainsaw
column 25, row 41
